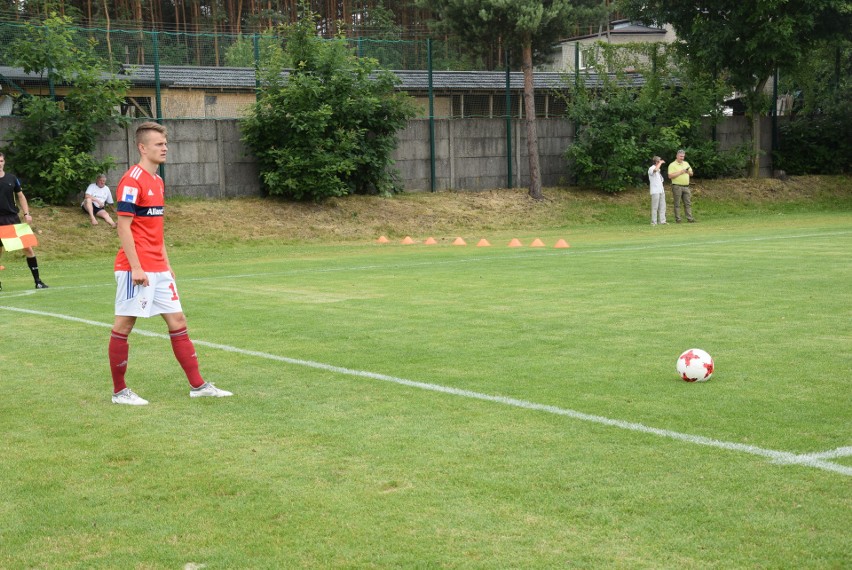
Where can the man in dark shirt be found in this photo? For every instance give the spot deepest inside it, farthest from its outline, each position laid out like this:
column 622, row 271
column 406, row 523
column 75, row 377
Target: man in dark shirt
column 10, row 186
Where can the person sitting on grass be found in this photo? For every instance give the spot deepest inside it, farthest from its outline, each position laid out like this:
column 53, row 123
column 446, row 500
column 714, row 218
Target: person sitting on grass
column 98, row 195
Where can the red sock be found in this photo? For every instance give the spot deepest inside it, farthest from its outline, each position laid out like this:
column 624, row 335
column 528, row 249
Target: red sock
column 118, row 351
column 185, row 354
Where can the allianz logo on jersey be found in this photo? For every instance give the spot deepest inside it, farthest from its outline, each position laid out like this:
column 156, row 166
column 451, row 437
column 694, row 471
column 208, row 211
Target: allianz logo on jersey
column 154, row 211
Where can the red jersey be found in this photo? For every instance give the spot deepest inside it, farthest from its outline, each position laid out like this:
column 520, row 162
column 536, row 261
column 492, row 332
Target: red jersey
column 142, row 196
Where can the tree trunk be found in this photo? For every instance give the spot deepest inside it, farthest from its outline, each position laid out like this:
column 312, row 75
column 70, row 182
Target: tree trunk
column 755, row 145
column 529, row 118
column 140, row 49
column 108, row 41
column 238, row 18
column 756, row 110
column 215, row 34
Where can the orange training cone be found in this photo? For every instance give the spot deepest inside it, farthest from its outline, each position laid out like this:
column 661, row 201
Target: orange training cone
column 407, row 240
column 430, row 241
column 382, row 239
column 515, row 243
column 561, row 244
column 537, row 243
column 483, row 243
column 459, row 241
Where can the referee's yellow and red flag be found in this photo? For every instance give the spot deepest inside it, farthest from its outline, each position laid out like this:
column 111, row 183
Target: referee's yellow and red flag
column 17, row 236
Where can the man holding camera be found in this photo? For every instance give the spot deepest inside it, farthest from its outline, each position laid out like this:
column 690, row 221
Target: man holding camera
column 679, row 173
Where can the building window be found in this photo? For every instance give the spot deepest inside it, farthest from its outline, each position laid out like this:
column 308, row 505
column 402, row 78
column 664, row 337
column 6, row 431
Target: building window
column 557, row 106
column 477, row 106
column 588, row 56
column 458, row 106
column 137, row 107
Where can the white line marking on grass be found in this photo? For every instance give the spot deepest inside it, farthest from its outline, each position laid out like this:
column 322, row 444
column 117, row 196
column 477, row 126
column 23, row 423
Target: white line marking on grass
column 781, row 457
column 839, row 452
column 21, row 294
column 830, row 454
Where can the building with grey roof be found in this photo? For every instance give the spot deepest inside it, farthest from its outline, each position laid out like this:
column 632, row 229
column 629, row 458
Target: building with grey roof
column 226, row 92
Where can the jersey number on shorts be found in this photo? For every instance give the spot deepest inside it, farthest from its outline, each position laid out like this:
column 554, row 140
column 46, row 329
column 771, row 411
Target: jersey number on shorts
column 174, row 291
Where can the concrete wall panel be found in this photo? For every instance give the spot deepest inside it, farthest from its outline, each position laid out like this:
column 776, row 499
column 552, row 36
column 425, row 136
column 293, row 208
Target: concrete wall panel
column 208, row 159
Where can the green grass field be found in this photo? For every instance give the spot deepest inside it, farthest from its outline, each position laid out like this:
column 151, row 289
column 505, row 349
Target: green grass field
column 445, row 407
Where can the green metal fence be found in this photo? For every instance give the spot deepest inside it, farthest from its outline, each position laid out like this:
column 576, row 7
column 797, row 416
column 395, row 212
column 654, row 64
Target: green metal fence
column 212, row 75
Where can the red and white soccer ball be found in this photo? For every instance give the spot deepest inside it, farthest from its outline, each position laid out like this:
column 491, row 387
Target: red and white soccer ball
column 695, row 365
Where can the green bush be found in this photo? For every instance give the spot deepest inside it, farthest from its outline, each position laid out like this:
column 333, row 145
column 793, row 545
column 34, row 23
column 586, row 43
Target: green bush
column 653, row 109
column 817, row 139
column 241, row 52
column 329, row 127
column 819, row 143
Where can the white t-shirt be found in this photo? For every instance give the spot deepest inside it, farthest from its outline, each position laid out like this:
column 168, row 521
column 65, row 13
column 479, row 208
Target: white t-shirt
column 656, row 178
column 102, row 194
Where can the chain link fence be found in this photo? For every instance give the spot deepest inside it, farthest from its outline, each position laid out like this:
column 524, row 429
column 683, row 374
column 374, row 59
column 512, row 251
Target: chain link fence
column 203, row 76
column 467, row 131
column 466, row 113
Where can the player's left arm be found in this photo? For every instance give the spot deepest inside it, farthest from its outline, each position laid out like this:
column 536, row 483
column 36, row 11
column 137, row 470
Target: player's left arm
column 25, row 207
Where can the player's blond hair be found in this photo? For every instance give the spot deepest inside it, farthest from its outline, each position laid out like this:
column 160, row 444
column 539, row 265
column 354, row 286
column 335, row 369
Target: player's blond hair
column 146, row 127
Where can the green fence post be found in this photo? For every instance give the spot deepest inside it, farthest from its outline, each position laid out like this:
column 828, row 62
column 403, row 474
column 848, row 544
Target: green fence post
column 431, row 117
column 836, row 69
column 158, row 94
column 576, row 64
column 510, row 183
column 576, row 87
column 774, row 111
column 256, row 42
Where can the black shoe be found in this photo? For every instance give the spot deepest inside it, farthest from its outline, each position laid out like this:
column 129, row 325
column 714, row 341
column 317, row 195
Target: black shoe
column 1, row 286
column 41, row 285
column 677, row 221
column 691, row 221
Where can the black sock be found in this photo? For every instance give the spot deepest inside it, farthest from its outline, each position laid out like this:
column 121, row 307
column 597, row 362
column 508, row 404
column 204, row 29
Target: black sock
column 33, row 263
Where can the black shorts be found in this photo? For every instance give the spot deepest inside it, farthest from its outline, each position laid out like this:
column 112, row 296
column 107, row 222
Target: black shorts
column 95, row 209
column 8, row 220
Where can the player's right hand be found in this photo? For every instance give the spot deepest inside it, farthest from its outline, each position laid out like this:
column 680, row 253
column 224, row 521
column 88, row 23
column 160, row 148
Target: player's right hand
column 139, row 277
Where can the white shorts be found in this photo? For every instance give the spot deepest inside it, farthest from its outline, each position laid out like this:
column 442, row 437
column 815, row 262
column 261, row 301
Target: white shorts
column 160, row 296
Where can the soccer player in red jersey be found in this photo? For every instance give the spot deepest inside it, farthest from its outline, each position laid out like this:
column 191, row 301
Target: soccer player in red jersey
column 145, row 282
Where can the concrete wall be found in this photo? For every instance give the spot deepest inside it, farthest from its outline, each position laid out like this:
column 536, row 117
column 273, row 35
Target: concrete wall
column 735, row 131
column 471, row 153
column 207, row 158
